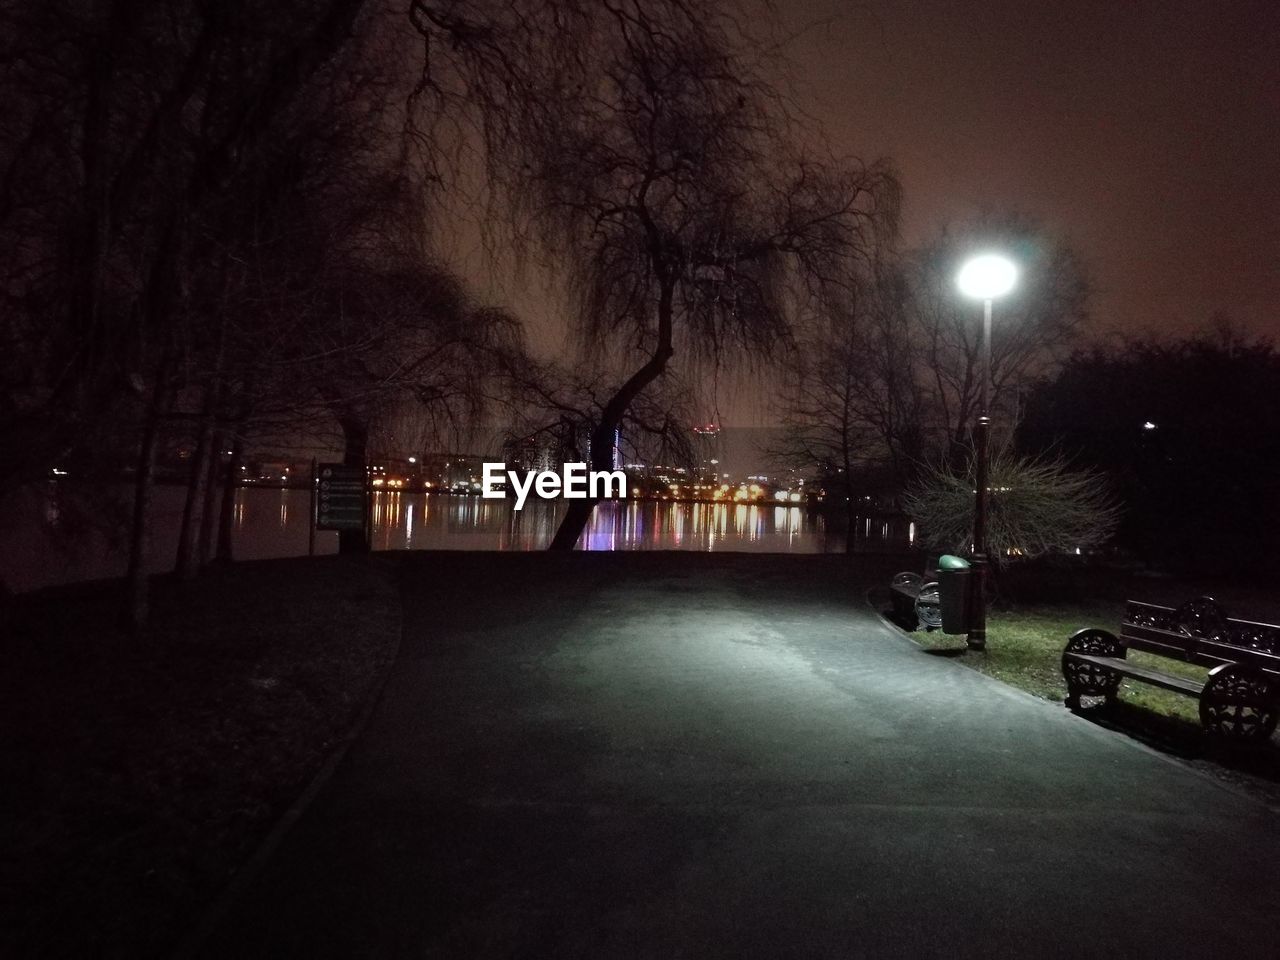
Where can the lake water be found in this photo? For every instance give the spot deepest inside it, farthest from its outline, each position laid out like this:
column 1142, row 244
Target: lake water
column 273, row 523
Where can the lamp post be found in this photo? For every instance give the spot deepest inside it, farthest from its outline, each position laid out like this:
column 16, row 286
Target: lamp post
column 984, row 278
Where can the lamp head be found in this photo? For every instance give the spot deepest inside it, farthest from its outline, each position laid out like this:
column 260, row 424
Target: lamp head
column 987, row 276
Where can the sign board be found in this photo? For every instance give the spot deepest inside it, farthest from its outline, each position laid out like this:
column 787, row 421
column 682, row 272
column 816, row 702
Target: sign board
column 340, row 497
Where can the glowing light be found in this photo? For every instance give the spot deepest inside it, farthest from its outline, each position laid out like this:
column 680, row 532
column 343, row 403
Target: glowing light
column 987, row 277
column 1149, row 426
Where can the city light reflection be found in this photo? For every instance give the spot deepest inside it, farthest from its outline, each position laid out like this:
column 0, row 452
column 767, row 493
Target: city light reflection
column 413, row 520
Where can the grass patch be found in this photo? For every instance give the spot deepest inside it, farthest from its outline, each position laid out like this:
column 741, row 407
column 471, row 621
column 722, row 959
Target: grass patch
column 140, row 775
column 1024, row 650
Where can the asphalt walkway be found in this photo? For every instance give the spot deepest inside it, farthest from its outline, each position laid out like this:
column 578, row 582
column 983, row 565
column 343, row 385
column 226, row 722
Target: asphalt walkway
column 693, row 756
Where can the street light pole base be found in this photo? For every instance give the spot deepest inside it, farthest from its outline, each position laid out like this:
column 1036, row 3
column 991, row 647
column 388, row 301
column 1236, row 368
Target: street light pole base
column 978, row 603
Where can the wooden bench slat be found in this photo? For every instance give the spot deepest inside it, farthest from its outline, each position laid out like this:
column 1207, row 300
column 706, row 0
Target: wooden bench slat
column 1157, row 624
column 1233, row 653
column 1166, row 638
column 1157, row 678
column 1179, row 646
column 1237, row 699
column 1170, row 650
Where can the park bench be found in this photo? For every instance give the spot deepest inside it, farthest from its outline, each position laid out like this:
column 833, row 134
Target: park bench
column 916, row 600
column 1240, row 698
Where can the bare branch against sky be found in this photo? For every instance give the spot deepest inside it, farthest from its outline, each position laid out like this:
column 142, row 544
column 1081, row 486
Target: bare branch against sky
column 1145, row 134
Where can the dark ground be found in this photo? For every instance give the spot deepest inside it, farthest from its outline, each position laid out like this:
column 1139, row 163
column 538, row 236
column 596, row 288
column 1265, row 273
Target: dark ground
column 674, row 755
column 137, row 775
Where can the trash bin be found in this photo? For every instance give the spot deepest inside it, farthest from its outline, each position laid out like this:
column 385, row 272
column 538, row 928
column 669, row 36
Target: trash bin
column 953, row 585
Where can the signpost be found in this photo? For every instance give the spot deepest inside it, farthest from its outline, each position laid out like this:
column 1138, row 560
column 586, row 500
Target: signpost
column 341, row 504
column 312, row 502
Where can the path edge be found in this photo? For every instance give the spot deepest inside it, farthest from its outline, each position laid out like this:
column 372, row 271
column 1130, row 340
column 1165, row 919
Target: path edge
column 1098, row 729
column 211, row 918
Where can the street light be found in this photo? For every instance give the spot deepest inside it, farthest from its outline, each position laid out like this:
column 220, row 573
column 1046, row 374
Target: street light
column 983, row 278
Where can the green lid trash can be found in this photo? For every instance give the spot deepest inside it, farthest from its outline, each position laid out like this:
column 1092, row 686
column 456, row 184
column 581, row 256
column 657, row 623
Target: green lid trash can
column 953, row 585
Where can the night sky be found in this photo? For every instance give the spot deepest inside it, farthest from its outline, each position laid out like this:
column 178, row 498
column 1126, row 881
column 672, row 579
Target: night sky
column 1145, row 133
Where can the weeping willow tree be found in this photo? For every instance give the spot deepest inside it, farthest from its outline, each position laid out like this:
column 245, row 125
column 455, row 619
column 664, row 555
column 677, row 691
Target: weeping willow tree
column 1035, row 506
column 659, row 170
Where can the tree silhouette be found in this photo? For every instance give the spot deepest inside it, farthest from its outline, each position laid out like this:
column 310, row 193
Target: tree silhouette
column 663, row 177
column 1182, row 427
column 1036, row 506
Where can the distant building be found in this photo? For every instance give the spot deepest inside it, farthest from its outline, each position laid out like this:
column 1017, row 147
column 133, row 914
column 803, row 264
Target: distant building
column 276, row 472
column 707, row 452
column 531, row 454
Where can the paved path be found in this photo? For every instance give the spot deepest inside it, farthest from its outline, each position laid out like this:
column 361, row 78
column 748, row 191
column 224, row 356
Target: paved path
column 689, row 756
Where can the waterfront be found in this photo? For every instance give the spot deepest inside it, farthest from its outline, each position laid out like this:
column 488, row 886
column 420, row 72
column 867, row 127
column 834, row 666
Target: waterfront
column 273, row 523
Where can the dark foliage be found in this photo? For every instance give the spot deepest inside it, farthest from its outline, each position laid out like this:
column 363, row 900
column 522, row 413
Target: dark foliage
column 1199, row 484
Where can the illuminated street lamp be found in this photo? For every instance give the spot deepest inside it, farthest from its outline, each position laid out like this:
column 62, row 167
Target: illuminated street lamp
column 983, row 278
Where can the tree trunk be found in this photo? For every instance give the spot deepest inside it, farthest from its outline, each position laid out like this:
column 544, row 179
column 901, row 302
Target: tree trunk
column 204, row 547
column 90, row 235
column 850, row 522
column 185, row 562
column 573, row 523
column 846, row 456
column 578, row 515
column 230, row 483
column 161, row 295
column 6, row 604
column 193, row 551
column 137, row 602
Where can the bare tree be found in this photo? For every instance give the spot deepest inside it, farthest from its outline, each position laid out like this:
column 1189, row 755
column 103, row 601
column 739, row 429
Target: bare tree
column 1036, row 506
column 889, row 380
column 661, row 171
column 149, row 176
column 850, row 404
column 1036, row 323
column 559, row 408
column 130, row 120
